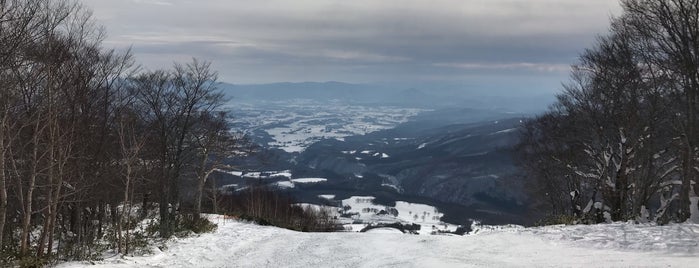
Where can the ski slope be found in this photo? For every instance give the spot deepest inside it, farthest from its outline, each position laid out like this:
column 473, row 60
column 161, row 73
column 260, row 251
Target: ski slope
column 237, row 244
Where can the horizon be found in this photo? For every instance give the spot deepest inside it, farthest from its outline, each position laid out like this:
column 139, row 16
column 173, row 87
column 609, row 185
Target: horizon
column 484, row 46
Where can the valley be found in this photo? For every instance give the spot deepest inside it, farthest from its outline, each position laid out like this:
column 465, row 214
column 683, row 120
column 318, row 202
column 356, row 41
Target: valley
column 454, row 160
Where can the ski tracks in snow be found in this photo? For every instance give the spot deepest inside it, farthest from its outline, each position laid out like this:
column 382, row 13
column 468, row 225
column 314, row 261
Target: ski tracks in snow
column 237, row 244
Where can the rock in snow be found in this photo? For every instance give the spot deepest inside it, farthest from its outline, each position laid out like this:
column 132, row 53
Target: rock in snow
column 237, row 244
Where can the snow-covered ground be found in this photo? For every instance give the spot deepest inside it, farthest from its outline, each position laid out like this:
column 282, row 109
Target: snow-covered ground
column 237, row 244
column 365, row 212
column 309, row 180
column 294, row 125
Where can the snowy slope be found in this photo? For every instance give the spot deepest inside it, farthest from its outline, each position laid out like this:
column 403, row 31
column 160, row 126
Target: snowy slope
column 237, row 244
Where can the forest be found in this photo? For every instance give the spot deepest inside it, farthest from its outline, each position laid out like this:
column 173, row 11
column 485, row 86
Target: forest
column 86, row 135
column 621, row 141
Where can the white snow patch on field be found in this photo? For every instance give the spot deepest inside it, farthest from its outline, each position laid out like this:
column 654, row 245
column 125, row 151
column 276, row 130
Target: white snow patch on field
column 391, row 186
column 259, row 174
column 428, row 217
column 309, row 180
column 281, row 174
column 327, row 196
column 418, row 213
column 505, row 131
column 285, row 184
column 294, row 125
column 384, row 230
column 237, row 244
column 232, row 172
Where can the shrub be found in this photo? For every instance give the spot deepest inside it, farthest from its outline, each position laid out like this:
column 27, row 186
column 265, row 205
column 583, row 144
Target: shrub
column 405, row 228
column 265, row 206
column 557, row 219
column 190, row 223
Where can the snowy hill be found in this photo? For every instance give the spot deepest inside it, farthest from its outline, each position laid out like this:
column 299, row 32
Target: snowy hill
column 454, row 159
column 237, row 244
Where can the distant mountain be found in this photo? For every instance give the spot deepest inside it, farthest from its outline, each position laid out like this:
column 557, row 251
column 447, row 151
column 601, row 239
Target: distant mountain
column 423, row 97
column 306, row 90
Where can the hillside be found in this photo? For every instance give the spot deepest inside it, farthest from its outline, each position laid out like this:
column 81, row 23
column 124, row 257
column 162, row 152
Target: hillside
column 455, row 159
column 237, row 244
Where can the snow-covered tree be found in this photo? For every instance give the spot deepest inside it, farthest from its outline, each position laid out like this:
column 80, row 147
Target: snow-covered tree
column 621, row 138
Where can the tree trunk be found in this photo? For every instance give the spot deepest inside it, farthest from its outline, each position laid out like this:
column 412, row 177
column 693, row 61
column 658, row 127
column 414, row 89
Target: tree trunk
column 214, row 196
column 688, row 153
column 26, row 220
column 3, row 186
column 165, row 228
column 203, row 175
column 124, row 216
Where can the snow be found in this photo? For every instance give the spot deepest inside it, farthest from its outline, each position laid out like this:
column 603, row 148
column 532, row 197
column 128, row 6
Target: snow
column 422, row 146
column 293, row 125
column 316, row 208
column 391, row 186
column 253, row 175
column 285, row 184
column 309, row 180
column 327, row 196
column 426, row 214
column 232, row 172
column 504, row 131
column 487, row 177
column 428, row 217
column 384, row 230
column 239, row 244
column 677, row 239
column 261, row 174
column 361, row 205
column 281, row 174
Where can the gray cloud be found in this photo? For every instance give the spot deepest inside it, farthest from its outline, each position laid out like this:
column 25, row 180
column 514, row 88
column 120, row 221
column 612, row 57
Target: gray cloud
column 359, row 40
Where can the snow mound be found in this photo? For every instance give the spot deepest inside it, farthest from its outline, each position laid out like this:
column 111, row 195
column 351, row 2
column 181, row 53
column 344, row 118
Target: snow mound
column 675, row 238
column 384, row 230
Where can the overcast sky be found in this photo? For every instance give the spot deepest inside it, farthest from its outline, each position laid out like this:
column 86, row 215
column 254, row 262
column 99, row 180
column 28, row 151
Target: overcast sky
column 504, row 43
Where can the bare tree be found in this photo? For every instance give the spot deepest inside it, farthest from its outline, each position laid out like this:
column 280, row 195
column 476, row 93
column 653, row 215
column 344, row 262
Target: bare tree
column 623, row 132
column 669, row 32
column 173, row 101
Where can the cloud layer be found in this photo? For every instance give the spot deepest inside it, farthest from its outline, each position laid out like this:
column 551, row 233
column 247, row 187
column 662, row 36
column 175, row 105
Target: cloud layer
column 359, row 40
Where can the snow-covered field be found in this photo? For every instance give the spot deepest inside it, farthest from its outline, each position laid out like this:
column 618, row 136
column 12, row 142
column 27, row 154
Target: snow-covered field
column 237, row 244
column 294, row 125
column 365, row 212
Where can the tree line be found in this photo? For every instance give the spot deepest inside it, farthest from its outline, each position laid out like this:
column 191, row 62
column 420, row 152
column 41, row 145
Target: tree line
column 85, row 134
column 268, row 206
column 621, row 141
